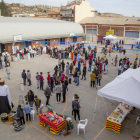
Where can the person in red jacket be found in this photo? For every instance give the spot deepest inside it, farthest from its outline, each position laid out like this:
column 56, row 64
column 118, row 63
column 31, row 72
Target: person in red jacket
column 41, row 81
column 100, row 64
column 48, row 79
column 74, row 62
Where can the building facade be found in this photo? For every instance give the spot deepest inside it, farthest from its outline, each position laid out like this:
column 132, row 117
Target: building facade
column 37, row 31
column 126, row 28
column 75, row 11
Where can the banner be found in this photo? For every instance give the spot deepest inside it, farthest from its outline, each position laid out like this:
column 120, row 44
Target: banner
column 110, row 32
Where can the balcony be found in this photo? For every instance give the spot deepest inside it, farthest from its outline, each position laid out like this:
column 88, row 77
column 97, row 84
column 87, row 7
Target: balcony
column 66, row 15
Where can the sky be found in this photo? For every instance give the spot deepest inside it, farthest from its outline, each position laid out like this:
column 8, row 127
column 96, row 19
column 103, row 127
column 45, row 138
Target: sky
column 124, row 7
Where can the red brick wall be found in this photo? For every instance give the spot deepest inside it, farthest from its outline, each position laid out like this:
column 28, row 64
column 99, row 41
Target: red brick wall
column 55, row 43
column 34, row 44
column 79, row 39
column 8, row 46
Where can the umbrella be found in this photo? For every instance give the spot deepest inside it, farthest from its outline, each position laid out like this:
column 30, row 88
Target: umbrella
column 110, row 37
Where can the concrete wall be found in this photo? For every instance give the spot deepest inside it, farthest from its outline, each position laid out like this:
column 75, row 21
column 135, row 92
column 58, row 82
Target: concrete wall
column 83, row 10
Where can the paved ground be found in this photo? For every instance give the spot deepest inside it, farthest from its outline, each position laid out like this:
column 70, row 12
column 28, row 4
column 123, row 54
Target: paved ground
column 87, row 96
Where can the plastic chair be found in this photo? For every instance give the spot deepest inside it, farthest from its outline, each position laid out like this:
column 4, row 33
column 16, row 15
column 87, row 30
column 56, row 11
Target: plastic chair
column 138, row 120
column 32, row 112
column 82, row 126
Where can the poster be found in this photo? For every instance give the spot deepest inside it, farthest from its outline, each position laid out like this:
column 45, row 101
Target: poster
column 110, row 32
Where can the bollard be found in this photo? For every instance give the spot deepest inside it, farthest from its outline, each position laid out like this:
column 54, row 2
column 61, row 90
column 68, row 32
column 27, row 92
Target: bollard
column 28, row 55
column 22, row 86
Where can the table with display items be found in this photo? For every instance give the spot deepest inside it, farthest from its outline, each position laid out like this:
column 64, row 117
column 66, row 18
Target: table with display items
column 57, row 125
column 115, row 119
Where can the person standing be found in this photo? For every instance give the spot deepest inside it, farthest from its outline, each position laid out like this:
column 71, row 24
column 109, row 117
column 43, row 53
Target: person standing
column 64, row 87
column 8, row 71
column 66, row 82
column 58, row 90
column 62, row 77
column 41, row 81
column 106, row 67
column 29, row 77
column 37, row 79
column 27, row 111
column 67, row 69
column 76, row 107
column 90, row 62
column 52, row 83
column 79, row 66
column 1, row 63
column 84, row 72
column 8, row 60
column 119, row 69
column 116, row 59
column 63, row 65
column 30, row 97
column 99, row 78
column 47, row 93
column 135, row 63
column 92, row 77
column 96, row 71
column 48, row 78
column 5, row 98
column 5, row 60
column 37, row 102
column 24, row 77
column 20, row 115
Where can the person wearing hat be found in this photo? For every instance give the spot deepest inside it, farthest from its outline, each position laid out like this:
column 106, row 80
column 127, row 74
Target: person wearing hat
column 5, row 98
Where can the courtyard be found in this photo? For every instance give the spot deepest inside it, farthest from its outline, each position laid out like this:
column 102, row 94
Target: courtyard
column 94, row 131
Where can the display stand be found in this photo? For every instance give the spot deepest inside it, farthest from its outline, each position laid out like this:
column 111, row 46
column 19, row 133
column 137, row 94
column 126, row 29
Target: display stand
column 67, row 133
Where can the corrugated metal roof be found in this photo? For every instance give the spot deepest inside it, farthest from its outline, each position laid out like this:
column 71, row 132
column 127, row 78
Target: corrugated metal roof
column 112, row 20
column 36, row 28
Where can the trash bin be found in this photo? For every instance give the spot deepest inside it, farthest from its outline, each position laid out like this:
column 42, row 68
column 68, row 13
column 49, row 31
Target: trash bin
column 22, row 86
column 28, row 55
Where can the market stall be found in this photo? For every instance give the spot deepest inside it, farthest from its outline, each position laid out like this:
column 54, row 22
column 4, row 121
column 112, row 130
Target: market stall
column 55, row 122
column 115, row 119
column 124, row 89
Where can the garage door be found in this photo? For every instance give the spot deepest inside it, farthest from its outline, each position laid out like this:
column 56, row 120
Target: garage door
column 91, row 31
column 132, row 34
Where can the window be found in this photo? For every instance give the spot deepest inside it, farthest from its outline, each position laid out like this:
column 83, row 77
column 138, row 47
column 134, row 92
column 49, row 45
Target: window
column 103, row 31
column 117, row 31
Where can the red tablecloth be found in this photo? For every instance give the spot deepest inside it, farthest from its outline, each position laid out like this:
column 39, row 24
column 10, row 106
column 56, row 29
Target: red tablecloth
column 47, row 121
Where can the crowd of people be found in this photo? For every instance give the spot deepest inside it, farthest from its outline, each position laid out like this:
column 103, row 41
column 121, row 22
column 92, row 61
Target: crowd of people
column 83, row 61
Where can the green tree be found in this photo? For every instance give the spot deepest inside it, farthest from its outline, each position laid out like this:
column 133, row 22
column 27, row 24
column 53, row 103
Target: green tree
column 4, row 8
column 44, row 11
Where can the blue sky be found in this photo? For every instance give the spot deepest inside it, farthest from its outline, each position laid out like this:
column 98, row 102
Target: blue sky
column 125, row 7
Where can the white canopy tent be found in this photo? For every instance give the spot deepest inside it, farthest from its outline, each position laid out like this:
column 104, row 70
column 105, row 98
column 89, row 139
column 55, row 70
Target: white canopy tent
column 124, row 88
column 110, row 37
column 138, row 40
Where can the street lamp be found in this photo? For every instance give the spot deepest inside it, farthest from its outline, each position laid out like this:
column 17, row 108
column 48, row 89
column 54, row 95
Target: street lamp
column 94, row 11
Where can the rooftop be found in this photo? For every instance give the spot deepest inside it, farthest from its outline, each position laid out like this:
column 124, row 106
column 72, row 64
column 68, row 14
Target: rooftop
column 112, row 20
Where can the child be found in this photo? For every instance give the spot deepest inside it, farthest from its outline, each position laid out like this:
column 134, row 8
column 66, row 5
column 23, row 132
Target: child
column 37, row 78
column 27, row 111
column 112, row 61
column 74, row 62
column 37, row 102
column 40, row 109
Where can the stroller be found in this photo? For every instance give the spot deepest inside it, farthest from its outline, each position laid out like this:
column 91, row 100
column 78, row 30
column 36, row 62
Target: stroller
column 16, row 125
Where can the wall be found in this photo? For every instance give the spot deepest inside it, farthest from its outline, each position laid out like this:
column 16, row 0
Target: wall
column 78, row 39
column 83, row 10
column 8, row 46
column 34, row 44
column 55, row 43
